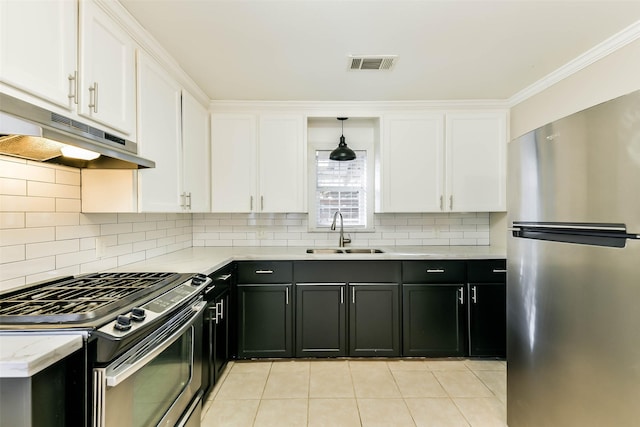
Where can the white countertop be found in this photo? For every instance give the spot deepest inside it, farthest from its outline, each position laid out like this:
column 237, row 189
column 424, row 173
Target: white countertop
column 24, row 355
column 209, row 259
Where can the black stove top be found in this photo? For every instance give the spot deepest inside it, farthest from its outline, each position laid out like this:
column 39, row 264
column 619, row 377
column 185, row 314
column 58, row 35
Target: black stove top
column 81, row 298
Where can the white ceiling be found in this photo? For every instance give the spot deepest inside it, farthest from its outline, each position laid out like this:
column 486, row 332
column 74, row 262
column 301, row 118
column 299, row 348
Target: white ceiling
column 448, row 49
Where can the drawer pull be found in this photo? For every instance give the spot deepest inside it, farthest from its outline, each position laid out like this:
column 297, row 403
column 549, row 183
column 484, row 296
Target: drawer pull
column 223, row 277
column 499, row 270
column 474, row 294
column 435, row 270
column 461, row 297
column 264, row 271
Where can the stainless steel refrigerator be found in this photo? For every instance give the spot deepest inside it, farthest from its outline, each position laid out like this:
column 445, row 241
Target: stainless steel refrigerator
column 573, row 281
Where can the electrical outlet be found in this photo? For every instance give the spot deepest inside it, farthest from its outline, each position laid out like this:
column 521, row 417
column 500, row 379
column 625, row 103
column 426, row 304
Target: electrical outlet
column 262, row 234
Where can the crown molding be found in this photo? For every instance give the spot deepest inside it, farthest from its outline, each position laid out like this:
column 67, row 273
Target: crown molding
column 601, row 50
column 355, row 108
column 152, row 47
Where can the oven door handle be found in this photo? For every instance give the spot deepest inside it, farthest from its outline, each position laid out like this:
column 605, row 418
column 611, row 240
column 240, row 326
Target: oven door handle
column 140, row 355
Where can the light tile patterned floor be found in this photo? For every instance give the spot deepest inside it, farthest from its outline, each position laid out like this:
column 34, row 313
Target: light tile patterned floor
column 367, row 393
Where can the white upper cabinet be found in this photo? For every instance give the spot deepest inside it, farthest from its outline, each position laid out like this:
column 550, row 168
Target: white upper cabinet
column 69, row 56
column 106, row 85
column 453, row 162
column 281, row 157
column 412, row 163
column 233, row 162
column 257, row 163
column 195, row 155
column 159, row 131
column 476, row 145
column 38, row 48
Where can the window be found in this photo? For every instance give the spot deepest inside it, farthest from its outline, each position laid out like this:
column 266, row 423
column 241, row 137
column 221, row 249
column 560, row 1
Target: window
column 341, row 186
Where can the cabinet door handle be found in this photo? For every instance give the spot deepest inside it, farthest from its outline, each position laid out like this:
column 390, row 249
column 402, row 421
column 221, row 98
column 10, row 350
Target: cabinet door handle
column 286, row 300
column 441, row 202
column 353, row 295
column 251, row 203
column 341, row 295
column 261, row 203
column 264, row 271
column 461, row 297
column 188, row 200
column 474, row 294
column 93, row 97
column 73, row 87
column 450, row 203
column 499, row 270
column 221, row 312
column 435, row 270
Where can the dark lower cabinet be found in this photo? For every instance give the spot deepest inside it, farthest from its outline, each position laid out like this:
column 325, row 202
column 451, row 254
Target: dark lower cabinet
column 220, row 335
column 265, row 320
column 487, row 319
column 321, row 314
column 433, row 320
column 374, row 319
column 487, row 308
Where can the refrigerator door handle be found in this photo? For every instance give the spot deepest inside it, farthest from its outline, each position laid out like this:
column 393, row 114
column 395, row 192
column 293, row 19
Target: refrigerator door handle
column 611, row 235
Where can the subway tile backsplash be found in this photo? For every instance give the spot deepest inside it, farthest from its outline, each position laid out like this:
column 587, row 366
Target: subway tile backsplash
column 43, row 234
column 292, row 230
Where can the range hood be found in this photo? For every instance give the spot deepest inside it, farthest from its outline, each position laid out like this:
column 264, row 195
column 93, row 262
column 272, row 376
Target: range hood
column 33, row 133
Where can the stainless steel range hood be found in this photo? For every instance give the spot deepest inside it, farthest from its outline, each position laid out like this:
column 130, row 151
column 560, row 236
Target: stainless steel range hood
column 33, row 133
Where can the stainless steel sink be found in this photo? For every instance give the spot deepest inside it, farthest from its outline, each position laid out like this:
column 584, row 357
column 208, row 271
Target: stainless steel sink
column 344, row 251
column 325, row 251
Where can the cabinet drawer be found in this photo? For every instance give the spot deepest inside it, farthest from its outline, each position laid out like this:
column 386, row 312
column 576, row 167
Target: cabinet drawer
column 346, row 271
column 487, row 271
column 265, row 272
column 433, row 271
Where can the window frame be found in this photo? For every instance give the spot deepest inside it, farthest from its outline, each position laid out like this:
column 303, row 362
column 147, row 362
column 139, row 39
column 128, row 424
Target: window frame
column 312, row 181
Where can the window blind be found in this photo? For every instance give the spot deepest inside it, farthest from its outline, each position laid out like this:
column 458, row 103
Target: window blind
column 341, row 186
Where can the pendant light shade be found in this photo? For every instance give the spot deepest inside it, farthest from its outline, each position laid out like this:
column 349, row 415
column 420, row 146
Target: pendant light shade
column 343, row 152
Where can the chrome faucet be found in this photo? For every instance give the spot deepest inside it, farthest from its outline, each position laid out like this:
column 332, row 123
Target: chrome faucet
column 342, row 240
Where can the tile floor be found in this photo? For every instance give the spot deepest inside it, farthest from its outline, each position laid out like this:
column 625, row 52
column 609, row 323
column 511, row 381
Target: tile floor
column 389, row 393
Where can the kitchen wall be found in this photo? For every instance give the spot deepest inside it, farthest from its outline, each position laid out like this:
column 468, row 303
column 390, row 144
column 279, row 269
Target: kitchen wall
column 614, row 75
column 292, row 230
column 44, row 235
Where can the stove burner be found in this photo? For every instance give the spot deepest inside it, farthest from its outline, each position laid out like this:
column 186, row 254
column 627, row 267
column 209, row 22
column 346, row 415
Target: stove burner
column 75, row 299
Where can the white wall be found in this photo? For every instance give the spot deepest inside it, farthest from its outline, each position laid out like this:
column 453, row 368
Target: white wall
column 614, row 75
column 44, row 235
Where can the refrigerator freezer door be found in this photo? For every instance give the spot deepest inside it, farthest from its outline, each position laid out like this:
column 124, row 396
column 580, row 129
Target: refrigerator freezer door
column 584, row 168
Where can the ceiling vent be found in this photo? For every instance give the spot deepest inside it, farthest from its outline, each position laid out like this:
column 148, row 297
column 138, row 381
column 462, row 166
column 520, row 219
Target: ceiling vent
column 372, row 62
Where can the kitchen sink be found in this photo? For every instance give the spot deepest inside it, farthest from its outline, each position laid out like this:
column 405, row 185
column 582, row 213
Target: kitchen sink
column 344, row 251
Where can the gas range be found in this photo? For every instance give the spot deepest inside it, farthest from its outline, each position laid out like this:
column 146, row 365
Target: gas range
column 116, row 308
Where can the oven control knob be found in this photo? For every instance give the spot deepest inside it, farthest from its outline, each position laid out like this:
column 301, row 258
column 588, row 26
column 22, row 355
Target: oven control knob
column 198, row 279
column 123, row 323
column 138, row 314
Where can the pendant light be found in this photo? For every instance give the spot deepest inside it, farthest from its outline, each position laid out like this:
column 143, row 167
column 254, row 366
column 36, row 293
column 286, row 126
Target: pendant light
column 343, row 152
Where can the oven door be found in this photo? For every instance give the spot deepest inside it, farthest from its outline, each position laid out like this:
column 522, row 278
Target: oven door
column 156, row 381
